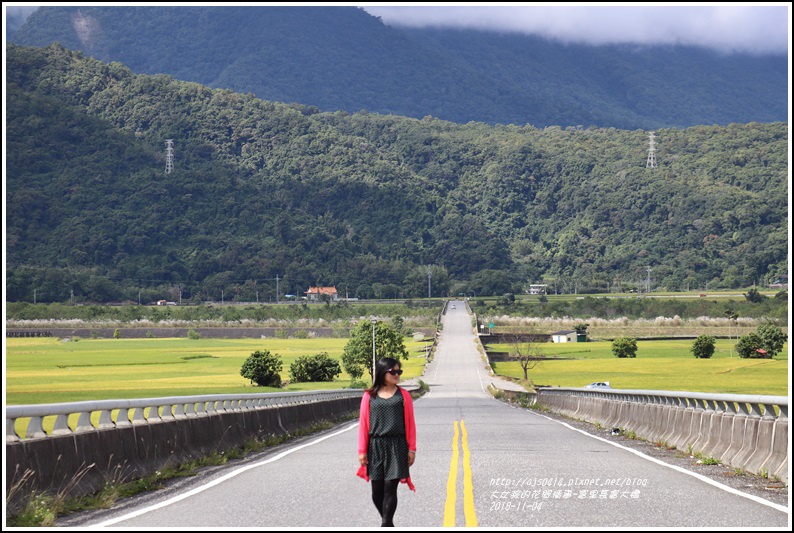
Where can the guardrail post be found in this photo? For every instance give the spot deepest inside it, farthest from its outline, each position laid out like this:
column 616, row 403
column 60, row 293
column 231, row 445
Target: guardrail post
column 750, row 436
column 35, row 429
column 737, row 433
column 61, row 426
column 725, row 430
column 11, row 434
column 84, row 423
column 105, row 421
column 763, row 442
column 137, row 417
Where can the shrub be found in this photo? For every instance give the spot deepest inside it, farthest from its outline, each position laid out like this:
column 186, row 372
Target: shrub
column 193, row 334
column 772, row 339
column 263, row 368
column 703, row 347
column 748, row 346
column 624, row 347
column 320, row 367
column 282, row 333
column 117, row 334
column 300, row 334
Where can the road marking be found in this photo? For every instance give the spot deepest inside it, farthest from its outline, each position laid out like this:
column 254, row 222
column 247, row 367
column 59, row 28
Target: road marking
column 757, row 499
column 468, row 486
column 452, row 483
column 218, row 481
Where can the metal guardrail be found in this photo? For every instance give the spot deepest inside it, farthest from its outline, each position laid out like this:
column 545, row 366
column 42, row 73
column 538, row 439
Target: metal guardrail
column 151, row 410
column 750, row 405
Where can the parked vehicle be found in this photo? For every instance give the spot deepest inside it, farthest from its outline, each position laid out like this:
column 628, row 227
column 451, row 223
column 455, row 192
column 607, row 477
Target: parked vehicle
column 598, row 385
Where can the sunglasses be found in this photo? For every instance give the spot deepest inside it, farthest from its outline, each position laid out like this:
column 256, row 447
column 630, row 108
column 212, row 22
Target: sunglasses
column 395, row 372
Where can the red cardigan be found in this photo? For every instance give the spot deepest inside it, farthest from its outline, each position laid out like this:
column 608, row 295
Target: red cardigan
column 363, row 431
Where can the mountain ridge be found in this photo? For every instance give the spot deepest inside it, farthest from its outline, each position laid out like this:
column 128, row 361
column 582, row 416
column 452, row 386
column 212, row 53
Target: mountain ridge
column 341, row 58
column 362, row 200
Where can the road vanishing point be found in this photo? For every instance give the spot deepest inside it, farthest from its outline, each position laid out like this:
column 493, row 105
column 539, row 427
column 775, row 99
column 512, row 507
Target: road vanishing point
column 480, row 463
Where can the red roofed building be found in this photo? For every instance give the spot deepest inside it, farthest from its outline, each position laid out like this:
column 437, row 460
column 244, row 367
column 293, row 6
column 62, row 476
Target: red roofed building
column 314, row 293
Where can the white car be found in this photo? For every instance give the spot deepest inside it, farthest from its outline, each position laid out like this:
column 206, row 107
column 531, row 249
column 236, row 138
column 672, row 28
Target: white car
column 598, row 385
column 453, row 307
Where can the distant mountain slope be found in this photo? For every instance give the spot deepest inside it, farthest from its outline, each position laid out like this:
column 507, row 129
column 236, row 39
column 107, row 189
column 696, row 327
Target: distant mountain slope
column 363, row 201
column 342, row 58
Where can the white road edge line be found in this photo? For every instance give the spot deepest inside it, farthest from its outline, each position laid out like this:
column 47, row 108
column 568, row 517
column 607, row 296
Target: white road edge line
column 218, row 481
column 701, row 477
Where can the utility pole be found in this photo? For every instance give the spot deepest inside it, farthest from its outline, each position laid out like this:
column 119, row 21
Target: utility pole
column 71, row 296
column 139, row 297
column 276, row 288
column 429, row 275
column 34, row 296
column 648, row 282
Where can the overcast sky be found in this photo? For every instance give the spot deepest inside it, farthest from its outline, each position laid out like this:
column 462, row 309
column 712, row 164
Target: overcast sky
column 745, row 28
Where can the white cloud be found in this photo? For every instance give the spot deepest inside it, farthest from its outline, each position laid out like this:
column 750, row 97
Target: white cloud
column 743, row 28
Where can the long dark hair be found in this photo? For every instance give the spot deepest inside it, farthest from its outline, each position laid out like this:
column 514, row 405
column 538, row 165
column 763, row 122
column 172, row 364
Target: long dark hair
column 381, row 367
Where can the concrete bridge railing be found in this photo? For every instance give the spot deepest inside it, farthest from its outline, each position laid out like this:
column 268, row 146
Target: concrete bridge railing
column 744, row 431
column 122, row 440
column 149, row 410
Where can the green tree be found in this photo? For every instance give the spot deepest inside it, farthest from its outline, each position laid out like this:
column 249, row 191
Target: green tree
column 357, row 355
column 624, row 347
column 748, row 346
column 263, row 368
column 703, row 347
column 319, row 367
column 754, row 296
column 772, row 339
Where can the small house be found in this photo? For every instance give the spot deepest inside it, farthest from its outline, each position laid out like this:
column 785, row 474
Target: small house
column 537, row 289
column 566, row 335
column 314, row 293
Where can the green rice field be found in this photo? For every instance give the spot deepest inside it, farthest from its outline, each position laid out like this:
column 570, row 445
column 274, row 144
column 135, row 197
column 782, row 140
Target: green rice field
column 659, row 365
column 49, row 370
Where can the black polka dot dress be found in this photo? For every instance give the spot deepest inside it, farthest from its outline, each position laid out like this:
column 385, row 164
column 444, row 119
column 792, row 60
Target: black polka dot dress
column 387, row 455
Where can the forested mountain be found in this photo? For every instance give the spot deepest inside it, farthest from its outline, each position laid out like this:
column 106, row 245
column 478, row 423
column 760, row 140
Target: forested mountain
column 361, row 201
column 341, row 58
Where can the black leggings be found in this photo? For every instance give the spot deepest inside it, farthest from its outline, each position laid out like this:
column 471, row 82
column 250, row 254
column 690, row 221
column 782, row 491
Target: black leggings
column 384, row 494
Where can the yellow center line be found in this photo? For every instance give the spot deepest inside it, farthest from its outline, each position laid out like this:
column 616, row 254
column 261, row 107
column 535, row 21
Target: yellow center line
column 468, row 485
column 452, row 483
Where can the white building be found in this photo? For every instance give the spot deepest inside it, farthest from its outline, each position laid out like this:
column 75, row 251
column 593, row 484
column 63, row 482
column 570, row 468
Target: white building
column 537, row 289
column 565, row 335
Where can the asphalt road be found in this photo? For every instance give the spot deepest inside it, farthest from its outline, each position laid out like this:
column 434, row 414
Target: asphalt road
column 480, row 462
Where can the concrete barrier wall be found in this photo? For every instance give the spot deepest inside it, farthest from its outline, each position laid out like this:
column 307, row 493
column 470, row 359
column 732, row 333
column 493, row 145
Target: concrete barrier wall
column 82, row 462
column 748, row 432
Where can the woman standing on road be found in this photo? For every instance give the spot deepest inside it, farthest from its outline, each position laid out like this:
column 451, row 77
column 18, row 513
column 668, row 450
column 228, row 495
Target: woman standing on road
column 386, row 437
